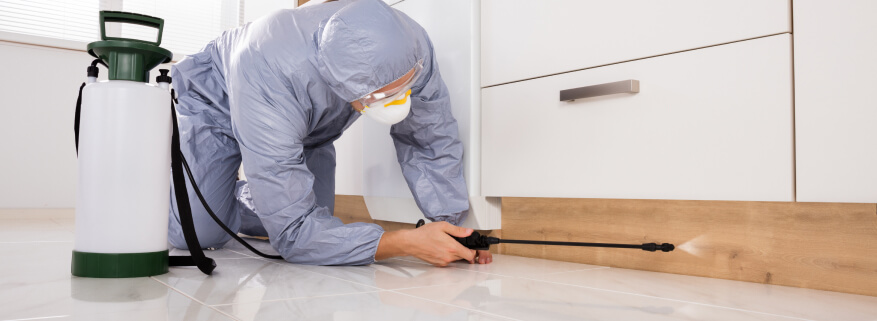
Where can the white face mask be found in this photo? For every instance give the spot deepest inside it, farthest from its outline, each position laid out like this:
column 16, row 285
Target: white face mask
column 390, row 110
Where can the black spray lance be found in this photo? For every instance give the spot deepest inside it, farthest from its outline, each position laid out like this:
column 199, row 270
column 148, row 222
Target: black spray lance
column 476, row 241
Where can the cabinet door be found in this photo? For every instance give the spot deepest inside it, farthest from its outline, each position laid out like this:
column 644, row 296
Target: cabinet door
column 348, row 161
column 835, row 106
column 707, row 124
column 523, row 39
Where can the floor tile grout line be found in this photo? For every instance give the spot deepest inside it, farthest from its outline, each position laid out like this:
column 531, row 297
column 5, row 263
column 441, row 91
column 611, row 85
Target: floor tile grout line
column 298, row 298
column 340, row 279
column 309, row 271
column 455, row 306
column 410, row 261
column 194, row 299
column 38, row 318
column 318, row 273
column 25, row 242
column 230, row 258
column 523, row 277
column 580, row 270
column 425, row 286
column 667, row 299
column 207, row 253
column 378, row 288
column 488, row 273
column 406, row 288
column 244, row 254
column 505, row 275
column 403, row 259
column 455, row 268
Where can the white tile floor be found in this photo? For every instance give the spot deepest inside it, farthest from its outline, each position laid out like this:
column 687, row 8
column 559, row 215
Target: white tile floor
column 35, row 284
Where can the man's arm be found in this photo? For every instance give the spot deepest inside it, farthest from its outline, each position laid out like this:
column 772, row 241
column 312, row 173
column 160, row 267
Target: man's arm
column 269, row 125
column 429, row 149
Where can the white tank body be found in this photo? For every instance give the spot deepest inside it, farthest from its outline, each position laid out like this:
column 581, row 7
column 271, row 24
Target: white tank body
column 124, row 168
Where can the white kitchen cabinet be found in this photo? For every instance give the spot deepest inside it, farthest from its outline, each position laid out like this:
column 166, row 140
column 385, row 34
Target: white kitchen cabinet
column 707, row 124
column 453, row 27
column 523, row 39
column 348, row 161
column 835, row 105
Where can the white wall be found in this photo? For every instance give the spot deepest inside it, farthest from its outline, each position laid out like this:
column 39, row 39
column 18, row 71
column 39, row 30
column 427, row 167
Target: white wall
column 38, row 92
column 38, row 99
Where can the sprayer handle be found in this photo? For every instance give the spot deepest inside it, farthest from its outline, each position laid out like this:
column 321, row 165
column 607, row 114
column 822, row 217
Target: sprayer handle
column 132, row 18
column 475, row 241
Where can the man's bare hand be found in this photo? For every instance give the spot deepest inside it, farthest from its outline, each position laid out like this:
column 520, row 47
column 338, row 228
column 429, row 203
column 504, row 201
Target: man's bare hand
column 431, row 242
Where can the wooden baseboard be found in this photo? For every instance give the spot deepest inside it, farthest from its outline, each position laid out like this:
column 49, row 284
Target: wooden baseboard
column 826, row 246
column 351, row 209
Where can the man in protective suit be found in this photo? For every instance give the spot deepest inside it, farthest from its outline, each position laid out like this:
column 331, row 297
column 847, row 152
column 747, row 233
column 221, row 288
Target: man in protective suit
column 276, row 93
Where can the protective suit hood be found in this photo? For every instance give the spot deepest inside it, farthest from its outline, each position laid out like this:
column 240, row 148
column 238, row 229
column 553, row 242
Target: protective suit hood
column 365, row 46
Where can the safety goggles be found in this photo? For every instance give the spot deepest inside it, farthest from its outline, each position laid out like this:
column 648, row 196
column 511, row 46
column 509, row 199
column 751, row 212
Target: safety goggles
column 401, row 85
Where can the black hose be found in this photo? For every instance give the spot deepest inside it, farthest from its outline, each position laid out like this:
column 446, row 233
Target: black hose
column 216, row 219
column 620, row 246
column 98, row 61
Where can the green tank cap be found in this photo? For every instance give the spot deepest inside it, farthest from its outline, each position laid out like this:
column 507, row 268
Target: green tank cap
column 129, row 59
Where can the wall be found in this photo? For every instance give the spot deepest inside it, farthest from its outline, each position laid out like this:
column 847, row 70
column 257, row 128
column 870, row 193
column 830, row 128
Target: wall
column 38, row 93
column 37, row 99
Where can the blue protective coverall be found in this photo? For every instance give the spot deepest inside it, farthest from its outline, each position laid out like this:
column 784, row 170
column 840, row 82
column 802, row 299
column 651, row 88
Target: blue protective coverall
column 274, row 94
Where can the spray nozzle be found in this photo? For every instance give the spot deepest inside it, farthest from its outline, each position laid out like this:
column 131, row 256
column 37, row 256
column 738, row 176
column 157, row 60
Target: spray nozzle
column 652, row 247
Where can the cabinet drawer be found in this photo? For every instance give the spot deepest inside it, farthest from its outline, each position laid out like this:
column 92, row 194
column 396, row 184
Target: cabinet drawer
column 707, row 124
column 523, row 39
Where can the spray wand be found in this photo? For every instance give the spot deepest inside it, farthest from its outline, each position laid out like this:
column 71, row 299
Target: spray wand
column 476, row 241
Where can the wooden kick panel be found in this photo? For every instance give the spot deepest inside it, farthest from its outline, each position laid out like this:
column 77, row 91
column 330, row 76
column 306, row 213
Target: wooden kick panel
column 827, row 246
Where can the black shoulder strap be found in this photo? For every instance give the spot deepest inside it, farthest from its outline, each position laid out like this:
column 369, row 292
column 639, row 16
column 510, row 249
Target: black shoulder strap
column 204, row 263
column 76, row 118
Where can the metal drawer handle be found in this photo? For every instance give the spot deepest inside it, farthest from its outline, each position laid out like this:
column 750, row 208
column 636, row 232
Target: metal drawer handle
column 630, row 86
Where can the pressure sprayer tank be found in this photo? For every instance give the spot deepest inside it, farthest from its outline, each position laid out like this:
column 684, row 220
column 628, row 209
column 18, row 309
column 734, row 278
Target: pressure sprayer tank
column 124, row 159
